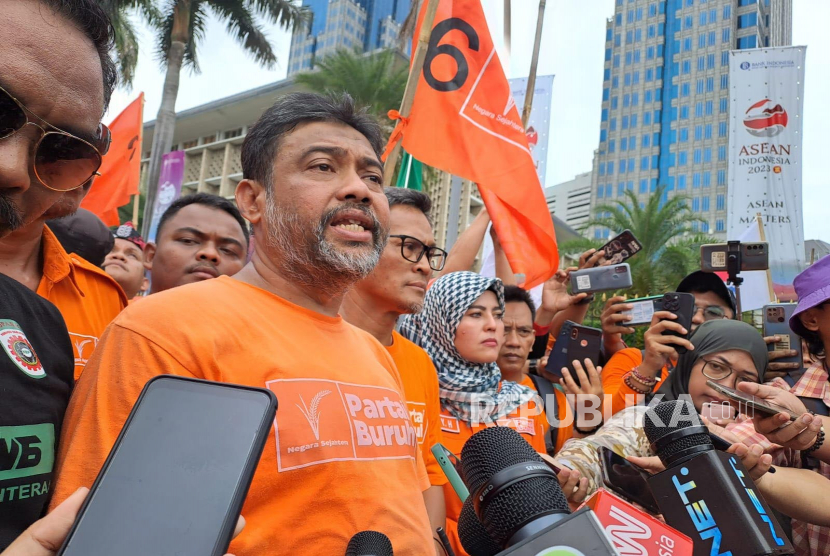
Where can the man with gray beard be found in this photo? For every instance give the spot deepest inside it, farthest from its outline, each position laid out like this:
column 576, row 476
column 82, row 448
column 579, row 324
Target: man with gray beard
column 343, row 456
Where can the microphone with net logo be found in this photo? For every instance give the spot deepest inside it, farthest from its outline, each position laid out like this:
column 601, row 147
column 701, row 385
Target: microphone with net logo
column 705, row 493
column 518, row 502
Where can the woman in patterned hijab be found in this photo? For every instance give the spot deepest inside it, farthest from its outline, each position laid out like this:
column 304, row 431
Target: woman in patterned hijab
column 460, row 327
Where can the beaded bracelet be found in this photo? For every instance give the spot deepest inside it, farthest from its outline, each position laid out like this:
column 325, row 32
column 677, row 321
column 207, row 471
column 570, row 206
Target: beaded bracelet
column 818, row 443
column 638, row 390
column 645, row 381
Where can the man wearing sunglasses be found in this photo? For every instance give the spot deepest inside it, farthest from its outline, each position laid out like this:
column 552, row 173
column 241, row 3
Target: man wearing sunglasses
column 396, row 287
column 51, row 144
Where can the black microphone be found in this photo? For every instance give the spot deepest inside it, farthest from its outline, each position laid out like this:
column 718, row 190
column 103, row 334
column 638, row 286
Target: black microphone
column 705, row 493
column 518, row 501
column 369, row 543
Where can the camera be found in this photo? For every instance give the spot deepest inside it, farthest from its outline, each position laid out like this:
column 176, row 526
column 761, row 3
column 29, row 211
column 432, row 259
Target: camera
column 734, row 257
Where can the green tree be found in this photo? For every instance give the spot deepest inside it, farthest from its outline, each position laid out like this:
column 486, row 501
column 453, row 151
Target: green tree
column 126, row 40
column 180, row 28
column 375, row 80
column 670, row 244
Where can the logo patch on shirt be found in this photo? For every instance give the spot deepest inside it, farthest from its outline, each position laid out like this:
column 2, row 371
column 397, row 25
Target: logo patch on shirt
column 418, row 416
column 26, row 451
column 450, row 424
column 19, row 349
column 326, row 420
column 83, row 346
column 522, row 425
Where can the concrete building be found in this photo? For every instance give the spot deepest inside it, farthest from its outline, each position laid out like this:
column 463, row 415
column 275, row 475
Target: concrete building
column 665, row 97
column 352, row 24
column 570, row 201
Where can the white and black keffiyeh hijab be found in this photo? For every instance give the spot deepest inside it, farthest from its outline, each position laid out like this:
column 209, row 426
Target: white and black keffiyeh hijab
column 470, row 391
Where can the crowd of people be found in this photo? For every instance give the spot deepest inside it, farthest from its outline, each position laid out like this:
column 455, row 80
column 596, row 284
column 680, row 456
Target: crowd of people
column 344, row 284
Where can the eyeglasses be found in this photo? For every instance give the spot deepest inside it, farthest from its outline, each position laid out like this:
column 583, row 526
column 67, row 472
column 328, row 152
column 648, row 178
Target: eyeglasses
column 413, row 249
column 719, row 371
column 63, row 162
column 711, row 312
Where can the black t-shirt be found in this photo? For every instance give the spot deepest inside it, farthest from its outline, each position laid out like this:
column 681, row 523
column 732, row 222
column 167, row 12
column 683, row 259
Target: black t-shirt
column 36, row 379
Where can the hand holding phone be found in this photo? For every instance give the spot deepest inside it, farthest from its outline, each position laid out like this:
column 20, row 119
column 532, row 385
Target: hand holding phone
column 601, row 278
column 575, row 342
column 751, row 405
column 622, row 247
column 626, row 479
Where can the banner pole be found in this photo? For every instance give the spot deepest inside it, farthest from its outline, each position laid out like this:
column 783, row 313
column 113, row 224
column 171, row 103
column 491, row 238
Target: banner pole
column 411, row 84
column 140, row 143
column 763, row 236
column 507, row 36
column 534, row 64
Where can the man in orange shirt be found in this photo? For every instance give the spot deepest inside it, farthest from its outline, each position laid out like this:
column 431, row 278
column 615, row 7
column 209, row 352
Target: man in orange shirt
column 397, row 287
column 343, row 456
column 51, row 144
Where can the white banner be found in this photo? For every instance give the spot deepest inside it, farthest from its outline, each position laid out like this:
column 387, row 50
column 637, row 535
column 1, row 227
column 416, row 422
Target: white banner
column 766, row 116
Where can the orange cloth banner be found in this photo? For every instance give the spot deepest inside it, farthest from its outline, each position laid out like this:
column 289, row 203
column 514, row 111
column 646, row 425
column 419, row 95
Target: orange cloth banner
column 120, row 170
column 465, row 122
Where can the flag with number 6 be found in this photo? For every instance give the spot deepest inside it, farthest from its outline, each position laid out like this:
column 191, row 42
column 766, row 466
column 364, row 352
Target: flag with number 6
column 464, row 121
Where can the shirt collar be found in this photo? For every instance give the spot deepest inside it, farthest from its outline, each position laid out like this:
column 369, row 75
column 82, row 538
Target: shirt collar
column 57, row 263
column 813, row 383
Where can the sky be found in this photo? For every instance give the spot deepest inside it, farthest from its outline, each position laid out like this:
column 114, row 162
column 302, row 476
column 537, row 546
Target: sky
column 572, row 49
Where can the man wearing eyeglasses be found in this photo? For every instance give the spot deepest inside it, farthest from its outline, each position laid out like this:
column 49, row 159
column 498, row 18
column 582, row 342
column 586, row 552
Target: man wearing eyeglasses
column 51, row 144
column 396, row 287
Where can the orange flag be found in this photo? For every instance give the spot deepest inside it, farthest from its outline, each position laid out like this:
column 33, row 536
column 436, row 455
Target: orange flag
column 464, row 121
column 118, row 181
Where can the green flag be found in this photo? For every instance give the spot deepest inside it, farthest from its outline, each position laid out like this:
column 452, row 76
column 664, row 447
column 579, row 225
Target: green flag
column 411, row 175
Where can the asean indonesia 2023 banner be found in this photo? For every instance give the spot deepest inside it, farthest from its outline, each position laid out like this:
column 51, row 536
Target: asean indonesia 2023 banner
column 766, row 113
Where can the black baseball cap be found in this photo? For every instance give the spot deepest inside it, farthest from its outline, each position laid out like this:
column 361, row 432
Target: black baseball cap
column 699, row 281
column 84, row 234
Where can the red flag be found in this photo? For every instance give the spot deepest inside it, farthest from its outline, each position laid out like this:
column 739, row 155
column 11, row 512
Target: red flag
column 121, row 166
column 464, row 121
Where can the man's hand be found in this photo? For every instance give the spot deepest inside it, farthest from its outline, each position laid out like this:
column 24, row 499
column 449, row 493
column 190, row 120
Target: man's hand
column 797, row 435
column 574, row 485
column 592, row 258
column 555, row 297
column 753, row 458
column 613, row 319
column 779, row 370
column 46, row 535
column 589, row 388
column 660, row 349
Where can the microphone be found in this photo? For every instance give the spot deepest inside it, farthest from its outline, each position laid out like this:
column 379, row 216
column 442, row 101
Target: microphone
column 369, row 543
column 705, row 493
column 633, row 532
column 518, row 502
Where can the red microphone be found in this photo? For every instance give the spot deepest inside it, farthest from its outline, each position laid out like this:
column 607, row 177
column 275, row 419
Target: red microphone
column 634, row 532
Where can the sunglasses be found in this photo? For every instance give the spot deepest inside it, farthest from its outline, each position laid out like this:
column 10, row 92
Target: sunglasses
column 62, row 162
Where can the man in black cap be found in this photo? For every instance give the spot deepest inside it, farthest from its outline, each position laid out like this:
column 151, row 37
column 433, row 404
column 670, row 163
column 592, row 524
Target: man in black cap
column 125, row 263
column 36, row 373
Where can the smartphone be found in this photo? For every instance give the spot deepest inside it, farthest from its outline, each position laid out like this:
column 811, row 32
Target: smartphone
column 749, row 404
column 642, row 310
column 714, row 257
column 626, row 479
column 601, row 278
column 682, row 305
column 622, row 247
column 574, row 342
column 450, row 465
column 177, row 476
column 777, row 323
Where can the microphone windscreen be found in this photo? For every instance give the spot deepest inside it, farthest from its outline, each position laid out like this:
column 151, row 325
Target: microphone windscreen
column 473, row 536
column 369, row 543
column 492, row 450
column 671, row 417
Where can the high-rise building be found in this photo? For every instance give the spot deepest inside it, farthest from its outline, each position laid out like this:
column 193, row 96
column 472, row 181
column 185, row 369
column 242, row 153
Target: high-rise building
column 665, row 97
column 351, row 24
column 570, row 201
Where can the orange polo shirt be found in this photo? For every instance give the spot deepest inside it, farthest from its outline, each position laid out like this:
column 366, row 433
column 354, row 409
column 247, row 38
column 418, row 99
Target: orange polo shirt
column 420, row 386
column 87, row 297
column 342, row 456
column 564, row 414
column 528, row 420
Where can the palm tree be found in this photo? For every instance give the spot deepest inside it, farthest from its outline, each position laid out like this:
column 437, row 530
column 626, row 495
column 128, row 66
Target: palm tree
column 375, row 80
column 126, row 41
column 181, row 26
column 664, row 227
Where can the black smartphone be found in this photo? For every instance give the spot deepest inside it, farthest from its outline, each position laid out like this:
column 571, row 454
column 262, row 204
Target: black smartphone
column 601, row 278
column 574, row 342
column 777, row 323
column 177, row 476
column 622, row 247
column 682, row 305
column 715, row 257
column 749, row 404
column 626, row 479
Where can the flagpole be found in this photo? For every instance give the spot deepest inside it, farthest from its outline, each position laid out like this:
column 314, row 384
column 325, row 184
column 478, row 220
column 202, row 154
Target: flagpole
column 507, row 36
column 534, row 64
column 412, row 83
column 763, row 237
column 140, row 143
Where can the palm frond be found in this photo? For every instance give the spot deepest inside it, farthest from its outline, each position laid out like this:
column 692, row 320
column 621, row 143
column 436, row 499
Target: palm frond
column 286, row 13
column 240, row 23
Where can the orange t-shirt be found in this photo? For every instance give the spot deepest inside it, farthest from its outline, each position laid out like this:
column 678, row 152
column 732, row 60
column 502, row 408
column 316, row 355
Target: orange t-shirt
column 563, row 414
column 87, row 297
column 353, row 466
column 420, row 386
column 613, row 378
column 528, row 420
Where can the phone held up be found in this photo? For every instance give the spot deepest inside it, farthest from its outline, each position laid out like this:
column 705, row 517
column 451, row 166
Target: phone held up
column 777, row 323
column 575, row 342
column 621, row 247
column 601, row 278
